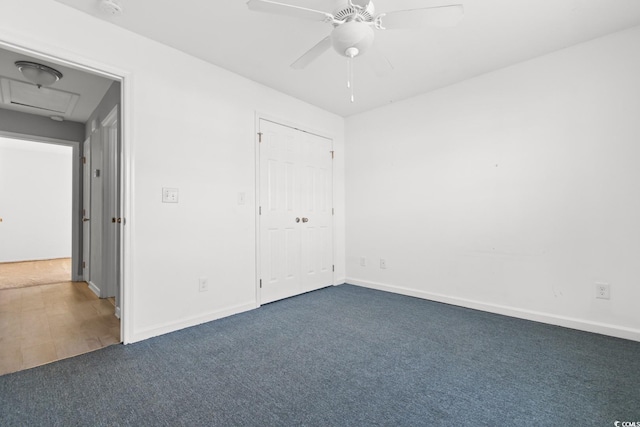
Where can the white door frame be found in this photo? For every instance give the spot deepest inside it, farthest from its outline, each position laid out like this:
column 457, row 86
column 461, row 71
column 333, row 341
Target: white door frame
column 58, row 54
column 86, row 209
column 110, row 208
column 262, row 116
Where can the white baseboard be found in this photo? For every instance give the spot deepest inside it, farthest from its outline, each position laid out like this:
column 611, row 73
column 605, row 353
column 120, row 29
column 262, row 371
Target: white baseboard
column 536, row 316
column 94, row 288
column 191, row 321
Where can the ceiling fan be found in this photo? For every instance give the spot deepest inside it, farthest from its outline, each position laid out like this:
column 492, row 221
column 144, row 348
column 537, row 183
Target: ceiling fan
column 353, row 24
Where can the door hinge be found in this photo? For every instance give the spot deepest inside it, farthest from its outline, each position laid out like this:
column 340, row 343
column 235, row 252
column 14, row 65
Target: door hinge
column 333, row 268
column 260, row 283
column 259, row 210
column 259, row 136
column 84, row 160
column 84, row 264
column 332, row 153
column 333, row 211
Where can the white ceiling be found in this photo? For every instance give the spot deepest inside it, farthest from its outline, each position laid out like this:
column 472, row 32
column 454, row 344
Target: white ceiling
column 494, row 34
column 89, row 88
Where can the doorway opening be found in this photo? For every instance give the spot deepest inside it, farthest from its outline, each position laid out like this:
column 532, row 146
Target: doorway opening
column 102, row 125
column 36, row 183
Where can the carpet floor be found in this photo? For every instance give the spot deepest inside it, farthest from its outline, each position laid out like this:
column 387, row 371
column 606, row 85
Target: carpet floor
column 341, row 356
column 34, row 273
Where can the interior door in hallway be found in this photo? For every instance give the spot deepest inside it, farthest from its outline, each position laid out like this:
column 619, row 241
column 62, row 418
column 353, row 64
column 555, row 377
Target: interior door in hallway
column 86, row 210
column 295, row 211
column 95, row 213
column 111, row 208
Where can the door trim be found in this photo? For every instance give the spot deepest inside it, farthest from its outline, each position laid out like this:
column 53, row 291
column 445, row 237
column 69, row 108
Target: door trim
column 111, row 207
column 86, row 213
column 270, row 118
column 58, row 54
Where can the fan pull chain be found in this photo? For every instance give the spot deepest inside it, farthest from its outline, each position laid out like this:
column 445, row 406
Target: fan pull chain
column 348, row 73
column 351, row 53
column 350, row 84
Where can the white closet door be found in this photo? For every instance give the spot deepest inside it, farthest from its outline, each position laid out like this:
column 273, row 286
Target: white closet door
column 295, row 247
column 316, row 197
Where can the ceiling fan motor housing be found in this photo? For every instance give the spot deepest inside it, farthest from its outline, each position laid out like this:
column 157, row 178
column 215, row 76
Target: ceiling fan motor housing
column 352, row 34
column 354, row 10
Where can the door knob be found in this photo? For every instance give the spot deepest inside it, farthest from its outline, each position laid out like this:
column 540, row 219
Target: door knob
column 85, row 219
column 305, row 219
column 297, row 219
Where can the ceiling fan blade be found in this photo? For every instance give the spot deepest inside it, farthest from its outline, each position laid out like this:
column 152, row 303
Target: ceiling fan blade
column 312, row 54
column 439, row 16
column 378, row 62
column 288, row 10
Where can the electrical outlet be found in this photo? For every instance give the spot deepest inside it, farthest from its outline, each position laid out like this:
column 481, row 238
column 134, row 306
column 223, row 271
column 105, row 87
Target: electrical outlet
column 603, row 290
column 203, row 284
column 383, row 263
column 169, row 195
column 363, row 261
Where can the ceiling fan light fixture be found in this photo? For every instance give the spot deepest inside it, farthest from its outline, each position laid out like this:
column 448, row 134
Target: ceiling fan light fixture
column 353, row 34
column 352, row 52
column 38, row 74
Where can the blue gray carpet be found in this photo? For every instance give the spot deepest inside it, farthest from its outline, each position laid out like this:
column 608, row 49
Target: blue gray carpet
column 341, row 356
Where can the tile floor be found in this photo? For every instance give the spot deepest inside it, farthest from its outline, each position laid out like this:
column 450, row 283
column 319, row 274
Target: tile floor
column 41, row 324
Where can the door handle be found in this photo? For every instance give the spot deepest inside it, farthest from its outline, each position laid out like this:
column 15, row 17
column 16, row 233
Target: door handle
column 85, row 219
column 297, row 219
column 305, row 219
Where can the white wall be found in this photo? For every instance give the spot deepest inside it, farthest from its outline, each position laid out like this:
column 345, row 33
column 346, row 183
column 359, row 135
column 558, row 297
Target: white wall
column 190, row 125
column 514, row 192
column 35, row 200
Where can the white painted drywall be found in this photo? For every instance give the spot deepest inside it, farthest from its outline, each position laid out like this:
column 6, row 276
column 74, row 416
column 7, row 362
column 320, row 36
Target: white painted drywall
column 514, row 192
column 192, row 127
column 35, row 200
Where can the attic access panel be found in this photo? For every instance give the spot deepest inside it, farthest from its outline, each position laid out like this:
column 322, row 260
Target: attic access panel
column 14, row 92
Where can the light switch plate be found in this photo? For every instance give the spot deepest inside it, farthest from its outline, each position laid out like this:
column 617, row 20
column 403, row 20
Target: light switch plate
column 169, row 195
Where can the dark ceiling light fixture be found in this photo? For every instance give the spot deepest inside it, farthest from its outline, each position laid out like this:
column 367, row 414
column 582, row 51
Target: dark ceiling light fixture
column 38, row 74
